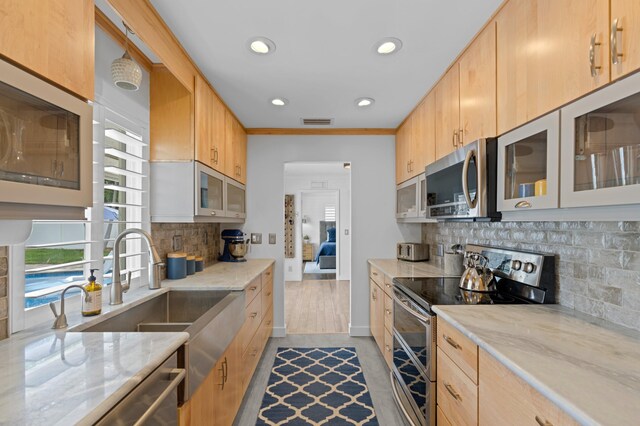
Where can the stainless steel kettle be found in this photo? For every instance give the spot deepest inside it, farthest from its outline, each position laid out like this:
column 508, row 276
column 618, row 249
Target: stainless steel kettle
column 477, row 277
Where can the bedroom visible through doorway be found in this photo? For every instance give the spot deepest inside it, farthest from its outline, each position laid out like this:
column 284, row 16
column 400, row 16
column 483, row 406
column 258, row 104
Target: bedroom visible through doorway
column 318, row 247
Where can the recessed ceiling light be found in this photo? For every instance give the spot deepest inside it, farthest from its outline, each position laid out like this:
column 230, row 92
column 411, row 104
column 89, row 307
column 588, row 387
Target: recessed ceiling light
column 261, row 45
column 364, row 102
column 279, row 101
column 388, row 45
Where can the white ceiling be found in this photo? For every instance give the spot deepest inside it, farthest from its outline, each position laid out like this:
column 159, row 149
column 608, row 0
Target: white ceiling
column 324, row 56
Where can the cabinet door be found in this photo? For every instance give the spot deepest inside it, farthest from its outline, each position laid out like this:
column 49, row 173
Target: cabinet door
column 202, row 116
column 376, row 307
column 478, row 87
column 217, row 142
column 53, row 38
column 447, row 93
column 627, row 12
column 235, row 149
column 227, row 397
column 543, row 56
column 423, row 149
column 403, row 148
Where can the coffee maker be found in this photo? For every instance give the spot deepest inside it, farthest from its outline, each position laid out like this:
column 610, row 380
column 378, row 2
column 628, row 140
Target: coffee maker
column 235, row 246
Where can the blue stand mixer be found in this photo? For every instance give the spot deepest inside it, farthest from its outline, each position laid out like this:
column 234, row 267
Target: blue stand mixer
column 235, row 246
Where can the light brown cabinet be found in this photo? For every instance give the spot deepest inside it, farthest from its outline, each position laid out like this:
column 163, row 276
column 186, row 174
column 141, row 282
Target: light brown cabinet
column 626, row 35
column 447, row 94
column 543, row 56
column 415, row 141
column 478, row 87
column 403, row 150
column 235, row 149
column 210, row 127
column 381, row 312
column 376, row 313
column 53, row 38
column 218, row 398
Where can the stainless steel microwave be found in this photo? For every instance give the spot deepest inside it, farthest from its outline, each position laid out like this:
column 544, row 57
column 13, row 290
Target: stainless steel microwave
column 462, row 185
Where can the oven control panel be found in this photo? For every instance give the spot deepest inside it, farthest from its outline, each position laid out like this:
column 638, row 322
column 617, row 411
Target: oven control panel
column 524, row 267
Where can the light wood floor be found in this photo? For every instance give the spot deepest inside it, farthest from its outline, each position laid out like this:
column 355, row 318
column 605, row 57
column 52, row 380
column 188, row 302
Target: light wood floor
column 316, row 306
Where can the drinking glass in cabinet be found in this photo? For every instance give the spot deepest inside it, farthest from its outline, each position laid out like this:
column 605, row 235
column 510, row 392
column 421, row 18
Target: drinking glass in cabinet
column 528, row 165
column 607, row 146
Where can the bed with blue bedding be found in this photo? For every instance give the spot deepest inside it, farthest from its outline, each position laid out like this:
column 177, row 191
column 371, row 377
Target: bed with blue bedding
column 326, row 256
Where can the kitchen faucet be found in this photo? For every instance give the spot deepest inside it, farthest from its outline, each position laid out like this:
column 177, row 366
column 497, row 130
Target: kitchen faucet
column 61, row 320
column 155, row 266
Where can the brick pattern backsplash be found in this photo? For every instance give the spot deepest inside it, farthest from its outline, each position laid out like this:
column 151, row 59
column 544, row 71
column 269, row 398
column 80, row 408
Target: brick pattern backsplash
column 4, row 300
column 200, row 239
column 597, row 263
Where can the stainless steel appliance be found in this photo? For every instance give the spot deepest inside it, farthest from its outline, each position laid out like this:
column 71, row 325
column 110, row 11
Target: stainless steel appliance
column 413, row 252
column 462, row 185
column 521, row 277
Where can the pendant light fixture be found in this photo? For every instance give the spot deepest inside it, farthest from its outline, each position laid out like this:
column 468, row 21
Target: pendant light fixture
column 126, row 73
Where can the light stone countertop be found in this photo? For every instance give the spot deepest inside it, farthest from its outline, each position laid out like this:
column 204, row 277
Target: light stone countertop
column 588, row 367
column 402, row 268
column 69, row 377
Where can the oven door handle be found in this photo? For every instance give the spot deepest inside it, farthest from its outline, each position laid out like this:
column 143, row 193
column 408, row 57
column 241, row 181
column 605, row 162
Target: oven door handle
column 396, row 395
column 465, row 180
column 405, row 305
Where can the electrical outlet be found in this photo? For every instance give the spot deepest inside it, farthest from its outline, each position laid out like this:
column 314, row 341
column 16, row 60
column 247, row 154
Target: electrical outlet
column 177, row 242
column 272, row 238
column 256, row 238
column 440, row 250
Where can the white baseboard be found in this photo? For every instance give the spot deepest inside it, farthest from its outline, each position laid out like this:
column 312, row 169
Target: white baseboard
column 279, row 332
column 359, row 331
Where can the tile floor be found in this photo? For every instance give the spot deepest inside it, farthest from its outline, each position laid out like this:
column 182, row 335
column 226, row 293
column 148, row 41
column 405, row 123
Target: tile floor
column 375, row 371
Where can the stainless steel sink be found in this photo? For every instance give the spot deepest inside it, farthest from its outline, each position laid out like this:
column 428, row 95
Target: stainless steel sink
column 211, row 317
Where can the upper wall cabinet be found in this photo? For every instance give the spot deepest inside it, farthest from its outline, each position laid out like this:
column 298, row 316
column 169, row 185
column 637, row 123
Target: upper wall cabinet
column 235, row 149
column 53, row 38
column 549, row 52
column 447, row 119
column 210, row 126
column 424, row 134
column 625, row 35
column 171, row 118
column 478, row 87
column 403, row 150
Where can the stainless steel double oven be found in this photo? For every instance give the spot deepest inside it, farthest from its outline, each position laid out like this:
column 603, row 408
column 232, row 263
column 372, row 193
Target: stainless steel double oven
column 413, row 375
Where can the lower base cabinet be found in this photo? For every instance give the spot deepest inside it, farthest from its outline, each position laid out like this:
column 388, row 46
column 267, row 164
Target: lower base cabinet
column 381, row 312
column 218, row 398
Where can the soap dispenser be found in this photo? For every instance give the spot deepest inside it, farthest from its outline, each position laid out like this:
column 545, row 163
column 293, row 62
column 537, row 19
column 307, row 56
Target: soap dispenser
column 92, row 303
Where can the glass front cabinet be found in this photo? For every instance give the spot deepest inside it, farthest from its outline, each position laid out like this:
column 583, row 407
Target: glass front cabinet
column 601, row 147
column 210, row 192
column 408, row 199
column 528, row 166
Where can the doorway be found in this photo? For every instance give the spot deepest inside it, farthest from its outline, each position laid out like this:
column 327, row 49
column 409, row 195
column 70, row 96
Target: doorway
column 317, row 247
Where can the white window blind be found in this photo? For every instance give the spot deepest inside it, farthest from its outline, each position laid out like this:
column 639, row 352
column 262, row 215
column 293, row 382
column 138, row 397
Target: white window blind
column 330, row 213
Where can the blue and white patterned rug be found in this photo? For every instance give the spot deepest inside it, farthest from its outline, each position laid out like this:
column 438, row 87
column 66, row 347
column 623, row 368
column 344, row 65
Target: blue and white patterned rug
column 317, row 386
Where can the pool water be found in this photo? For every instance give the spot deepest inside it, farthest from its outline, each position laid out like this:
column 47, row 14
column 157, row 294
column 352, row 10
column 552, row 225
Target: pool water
column 45, row 280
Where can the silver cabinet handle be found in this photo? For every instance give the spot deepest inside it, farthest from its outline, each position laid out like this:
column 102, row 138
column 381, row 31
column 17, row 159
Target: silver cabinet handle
column 253, row 288
column 452, row 342
column 213, row 213
column 253, row 314
column 179, row 376
column 615, row 56
column 592, row 56
column 454, row 138
column 453, row 393
column 523, row 205
column 460, row 135
column 543, row 422
column 388, row 311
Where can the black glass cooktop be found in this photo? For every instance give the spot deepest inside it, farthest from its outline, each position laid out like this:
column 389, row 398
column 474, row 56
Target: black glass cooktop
column 446, row 291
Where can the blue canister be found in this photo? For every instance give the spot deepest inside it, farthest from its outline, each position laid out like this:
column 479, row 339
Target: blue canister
column 199, row 263
column 176, row 266
column 191, row 264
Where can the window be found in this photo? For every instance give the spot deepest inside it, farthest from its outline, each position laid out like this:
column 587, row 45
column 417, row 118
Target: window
column 330, row 213
column 61, row 253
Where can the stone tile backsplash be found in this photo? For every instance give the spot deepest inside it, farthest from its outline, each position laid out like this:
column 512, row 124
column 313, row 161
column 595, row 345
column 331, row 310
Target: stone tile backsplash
column 4, row 300
column 597, row 263
column 200, row 239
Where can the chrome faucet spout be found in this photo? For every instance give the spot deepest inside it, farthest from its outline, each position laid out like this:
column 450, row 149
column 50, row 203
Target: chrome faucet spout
column 61, row 320
column 155, row 266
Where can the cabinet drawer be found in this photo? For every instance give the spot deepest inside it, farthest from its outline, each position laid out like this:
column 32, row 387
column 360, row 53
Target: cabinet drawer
column 376, row 275
column 388, row 285
column 388, row 348
column 388, row 313
column 267, row 295
column 459, row 348
column 252, row 290
column 506, row 399
column 252, row 320
column 457, row 395
column 267, row 274
column 267, row 326
column 442, row 419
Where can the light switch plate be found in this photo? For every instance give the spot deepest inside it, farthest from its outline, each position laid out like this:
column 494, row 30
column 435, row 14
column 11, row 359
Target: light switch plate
column 440, row 250
column 256, row 238
column 272, row 238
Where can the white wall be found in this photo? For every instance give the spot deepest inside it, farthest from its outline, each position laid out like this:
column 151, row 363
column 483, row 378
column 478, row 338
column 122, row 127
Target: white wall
column 374, row 231
column 296, row 184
